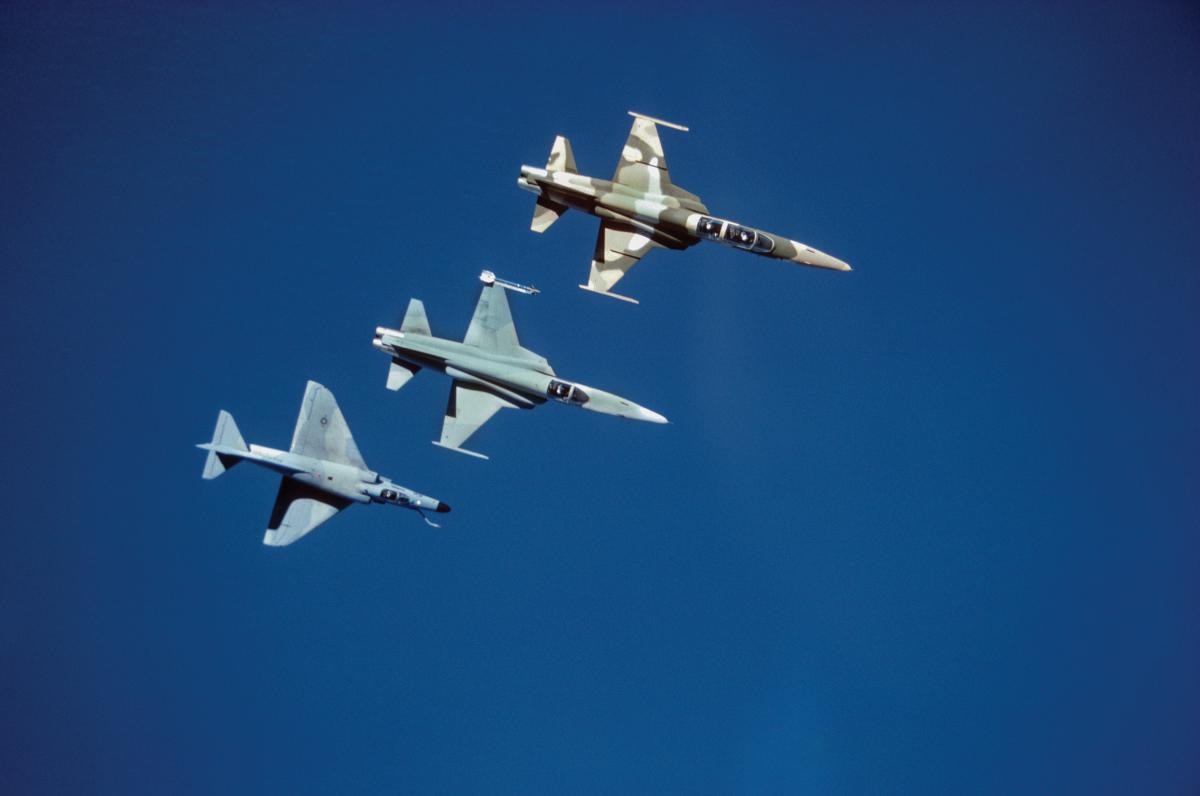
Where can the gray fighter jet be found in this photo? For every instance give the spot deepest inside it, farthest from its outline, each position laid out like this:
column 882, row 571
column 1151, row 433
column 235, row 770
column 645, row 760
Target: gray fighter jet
column 639, row 209
column 490, row 369
column 323, row 472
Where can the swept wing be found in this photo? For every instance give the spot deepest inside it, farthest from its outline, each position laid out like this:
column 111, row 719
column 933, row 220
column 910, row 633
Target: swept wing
column 643, row 166
column 492, row 329
column 299, row 509
column 467, row 410
column 321, row 431
column 619, row 247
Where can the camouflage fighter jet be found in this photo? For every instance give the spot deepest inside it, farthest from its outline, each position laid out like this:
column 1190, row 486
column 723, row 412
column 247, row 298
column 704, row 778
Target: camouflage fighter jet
column 639, row 209
column 491, row 370
column 323, row 472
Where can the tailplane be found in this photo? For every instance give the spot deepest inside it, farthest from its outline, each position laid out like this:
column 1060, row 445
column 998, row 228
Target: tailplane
column 226, row 448
column 545, row 213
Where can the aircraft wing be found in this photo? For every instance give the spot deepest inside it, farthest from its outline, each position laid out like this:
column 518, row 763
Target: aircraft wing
column 643, row 165
column 492, row 326
column 467, row 410
column 619, row 247
column 492, row 329
column 321, row 431
column 299, row 508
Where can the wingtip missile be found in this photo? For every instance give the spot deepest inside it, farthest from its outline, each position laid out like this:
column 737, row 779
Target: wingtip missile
column 672, row 125
column 489, row 278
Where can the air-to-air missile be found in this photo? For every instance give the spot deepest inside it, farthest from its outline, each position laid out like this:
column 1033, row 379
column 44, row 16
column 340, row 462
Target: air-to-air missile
column 639, row 209
column 323, row 472
column 491, row 370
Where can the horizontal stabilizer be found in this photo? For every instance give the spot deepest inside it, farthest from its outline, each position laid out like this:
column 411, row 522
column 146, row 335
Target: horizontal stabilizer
column 399, row 373
column 226, row 444
column 545, row 213
column 415, row 321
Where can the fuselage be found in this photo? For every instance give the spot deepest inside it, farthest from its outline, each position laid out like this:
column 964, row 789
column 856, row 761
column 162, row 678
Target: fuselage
column 520, row 380
column 342, row 480
column 675, row 222
column 524, row 382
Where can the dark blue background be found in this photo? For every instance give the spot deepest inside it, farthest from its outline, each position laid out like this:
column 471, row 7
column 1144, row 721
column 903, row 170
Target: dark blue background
column 926, row 527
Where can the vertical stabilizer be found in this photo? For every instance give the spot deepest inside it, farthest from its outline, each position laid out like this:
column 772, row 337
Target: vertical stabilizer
column 226, row 445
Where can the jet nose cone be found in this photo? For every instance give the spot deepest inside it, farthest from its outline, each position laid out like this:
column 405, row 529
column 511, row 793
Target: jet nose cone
column 442, row 508
column 650, row 416
column 807, row 255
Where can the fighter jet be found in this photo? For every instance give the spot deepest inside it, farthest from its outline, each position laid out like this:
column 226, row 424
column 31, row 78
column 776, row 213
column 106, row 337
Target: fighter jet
column 640, row 208
column 491, row 370
column 323, row 472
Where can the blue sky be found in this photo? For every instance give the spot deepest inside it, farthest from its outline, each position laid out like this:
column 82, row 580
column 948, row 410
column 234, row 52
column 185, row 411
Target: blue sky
column 926, row 527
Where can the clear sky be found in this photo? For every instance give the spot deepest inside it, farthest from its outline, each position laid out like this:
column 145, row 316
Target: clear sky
column 930, row 526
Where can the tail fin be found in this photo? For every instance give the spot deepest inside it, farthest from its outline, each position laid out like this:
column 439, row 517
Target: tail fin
column 415, row 321
column 226, row 445
column 561, row 157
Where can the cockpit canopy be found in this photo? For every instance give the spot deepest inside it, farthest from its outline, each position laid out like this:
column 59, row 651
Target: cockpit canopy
column 735, row 234
column 710, row 227
column 567, row 393
column 750, row 239
column 392, row 496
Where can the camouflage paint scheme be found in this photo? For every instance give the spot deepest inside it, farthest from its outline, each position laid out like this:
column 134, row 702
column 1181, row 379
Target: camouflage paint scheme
column 323, row 472
column 640, row 209
column 491, row 370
